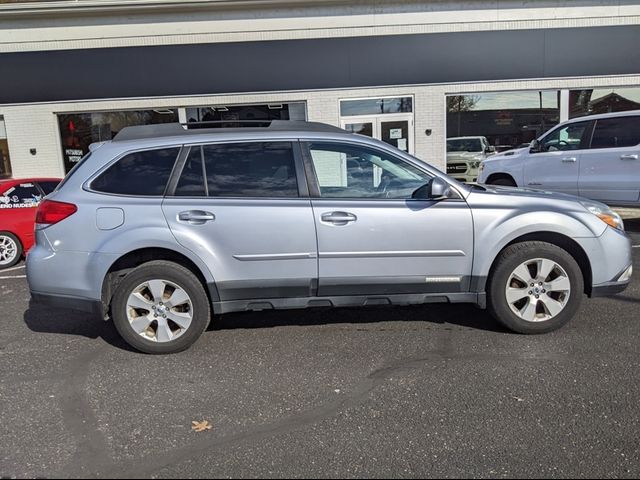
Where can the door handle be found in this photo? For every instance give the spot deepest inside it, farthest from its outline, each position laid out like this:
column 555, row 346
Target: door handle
column 196, row 217
column 534, row 184
column 629, row 157
column 338, row 218
column 569, row 159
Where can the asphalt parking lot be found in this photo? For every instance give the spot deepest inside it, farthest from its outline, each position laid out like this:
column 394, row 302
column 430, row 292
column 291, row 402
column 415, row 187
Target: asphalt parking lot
column 401, row 392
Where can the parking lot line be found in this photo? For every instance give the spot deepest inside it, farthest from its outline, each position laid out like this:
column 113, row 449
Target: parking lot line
column 13, row 269
column 13, row 276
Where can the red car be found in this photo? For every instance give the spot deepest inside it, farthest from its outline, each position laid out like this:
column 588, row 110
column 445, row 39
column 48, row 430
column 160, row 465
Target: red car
column 19, row 200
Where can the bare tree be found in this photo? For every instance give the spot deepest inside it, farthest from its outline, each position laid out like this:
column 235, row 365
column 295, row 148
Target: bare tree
column 462, row 103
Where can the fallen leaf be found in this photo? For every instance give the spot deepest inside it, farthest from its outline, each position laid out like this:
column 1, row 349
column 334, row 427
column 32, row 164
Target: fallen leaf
column 201, row 426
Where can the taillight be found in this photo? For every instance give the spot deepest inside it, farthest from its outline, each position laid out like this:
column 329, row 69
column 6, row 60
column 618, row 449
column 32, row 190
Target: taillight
column 51, row 212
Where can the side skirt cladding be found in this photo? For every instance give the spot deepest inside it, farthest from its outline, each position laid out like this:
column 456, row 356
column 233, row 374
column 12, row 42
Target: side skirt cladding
column 221, row 307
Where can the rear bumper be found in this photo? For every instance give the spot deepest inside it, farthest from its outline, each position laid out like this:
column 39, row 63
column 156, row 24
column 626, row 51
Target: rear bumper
column 68, row 303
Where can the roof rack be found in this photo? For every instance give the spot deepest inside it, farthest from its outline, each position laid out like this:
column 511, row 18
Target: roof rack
column 180, row 129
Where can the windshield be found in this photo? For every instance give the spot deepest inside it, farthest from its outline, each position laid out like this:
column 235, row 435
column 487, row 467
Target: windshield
column 464, row 145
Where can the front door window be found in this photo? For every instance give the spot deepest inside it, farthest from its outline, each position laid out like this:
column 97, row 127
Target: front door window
column 565, row 138
column 346, row 171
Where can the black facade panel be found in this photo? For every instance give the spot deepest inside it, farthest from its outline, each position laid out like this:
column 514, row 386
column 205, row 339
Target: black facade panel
column 317, row 63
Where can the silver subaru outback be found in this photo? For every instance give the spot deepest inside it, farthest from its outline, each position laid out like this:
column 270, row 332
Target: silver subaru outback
column 163, row 227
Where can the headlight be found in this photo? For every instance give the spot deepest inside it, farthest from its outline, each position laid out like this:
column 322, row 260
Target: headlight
column 605, row 214
column 475, row 164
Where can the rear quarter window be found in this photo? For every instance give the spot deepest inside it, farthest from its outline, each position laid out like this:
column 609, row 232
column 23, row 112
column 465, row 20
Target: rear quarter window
column 145, row 173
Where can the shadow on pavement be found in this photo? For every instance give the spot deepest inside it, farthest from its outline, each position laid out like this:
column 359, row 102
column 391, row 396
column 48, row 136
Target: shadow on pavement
column 625, row 298
column 632, row 225
column 466, row 316
column 41, row 319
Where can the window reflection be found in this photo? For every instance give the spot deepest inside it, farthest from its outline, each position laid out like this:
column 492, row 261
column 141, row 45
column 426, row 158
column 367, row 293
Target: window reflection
column 603, row 100
column 234, row 116
column 376, row 106
column 345, row 171
column 256, row 169
column 506, row 119
column 79, row 130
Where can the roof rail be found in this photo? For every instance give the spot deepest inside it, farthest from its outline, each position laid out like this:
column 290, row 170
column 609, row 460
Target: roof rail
column 180, row 129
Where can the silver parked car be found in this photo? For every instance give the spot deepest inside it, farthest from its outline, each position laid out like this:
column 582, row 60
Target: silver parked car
column 597, row 157
column 163, row 227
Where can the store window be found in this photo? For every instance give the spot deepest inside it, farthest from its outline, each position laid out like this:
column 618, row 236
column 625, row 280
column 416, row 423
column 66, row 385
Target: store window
column 5, row 163
column 79, row 130
column 603, row 100
column 505, row 119
column 233, row 116
column 376, row 106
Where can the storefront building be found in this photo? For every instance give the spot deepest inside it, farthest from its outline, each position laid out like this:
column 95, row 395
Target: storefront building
column 409, row 73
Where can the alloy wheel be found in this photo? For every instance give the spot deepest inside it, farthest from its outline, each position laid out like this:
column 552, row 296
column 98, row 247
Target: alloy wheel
column 538, row 290
column 8, row 250
column 159, row 310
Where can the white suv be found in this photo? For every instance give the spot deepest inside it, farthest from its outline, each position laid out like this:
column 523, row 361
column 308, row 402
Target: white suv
column 595, row 157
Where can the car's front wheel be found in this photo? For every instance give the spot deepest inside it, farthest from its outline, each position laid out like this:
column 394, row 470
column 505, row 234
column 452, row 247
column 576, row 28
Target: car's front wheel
column 535, row 287
column 160, row 307
column 10, row 250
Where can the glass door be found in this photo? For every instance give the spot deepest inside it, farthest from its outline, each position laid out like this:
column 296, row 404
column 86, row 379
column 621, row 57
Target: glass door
column 396, row 130
column 362, row 126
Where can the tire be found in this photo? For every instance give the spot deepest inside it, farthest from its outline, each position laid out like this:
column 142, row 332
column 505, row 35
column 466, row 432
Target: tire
column 10, row 250
column 145, row 319
column 559, row 296
column 503, row 181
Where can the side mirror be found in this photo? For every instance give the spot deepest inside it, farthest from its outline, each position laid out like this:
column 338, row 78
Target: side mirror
column 535, row 147
column 437, row 189
column 490, row 149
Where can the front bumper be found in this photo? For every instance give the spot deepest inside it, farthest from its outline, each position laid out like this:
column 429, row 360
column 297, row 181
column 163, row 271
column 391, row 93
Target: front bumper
column 618, row 285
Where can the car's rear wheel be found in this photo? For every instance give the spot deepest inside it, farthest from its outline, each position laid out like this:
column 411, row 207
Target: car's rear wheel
column 535, row 287
column 10, row 250
column 161, row 307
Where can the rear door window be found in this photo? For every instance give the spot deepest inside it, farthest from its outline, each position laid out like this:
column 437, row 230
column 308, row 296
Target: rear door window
column 616, row 133
column 248, row 169
column 144, row 173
